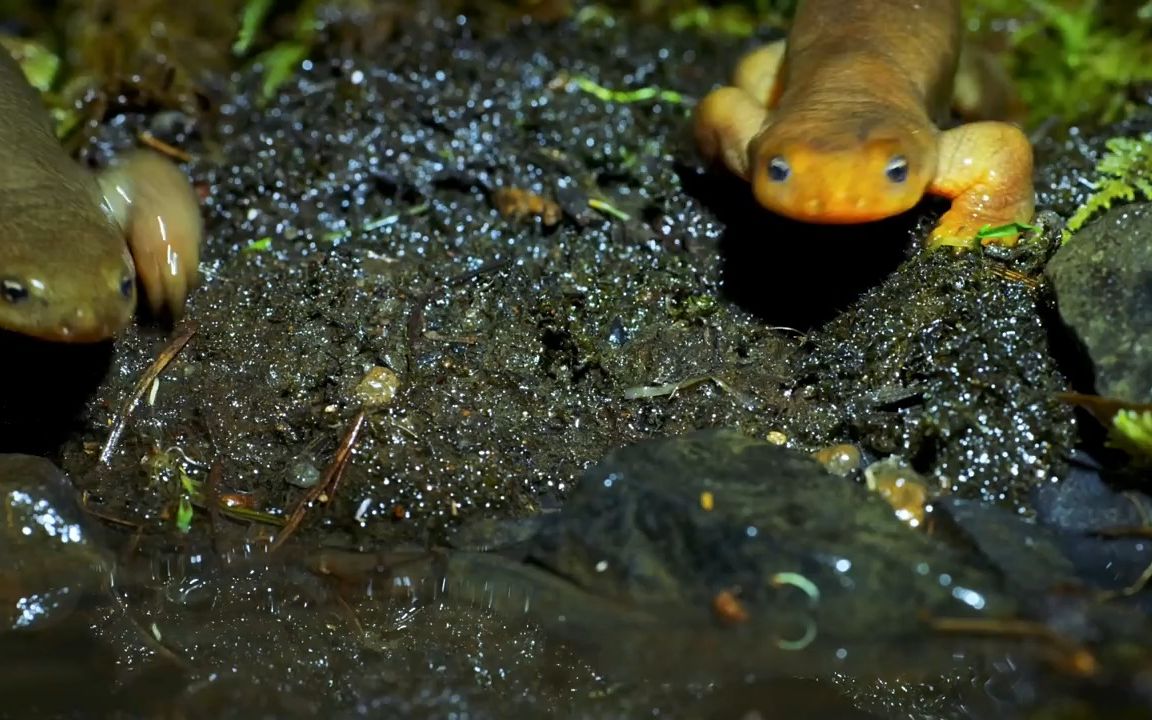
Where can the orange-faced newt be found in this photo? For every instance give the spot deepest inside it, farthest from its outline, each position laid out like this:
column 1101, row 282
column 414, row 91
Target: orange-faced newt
column 74, row 246
column 838, row 123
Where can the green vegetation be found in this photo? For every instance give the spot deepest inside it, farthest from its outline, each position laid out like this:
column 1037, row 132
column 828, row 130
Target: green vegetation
column 280, row 61
column 252, row 17
column 1123, row 172
column 1074, row 60
column 1129, row 424
column 604, row 94
column 1132, row 431
column 737, row 19
column 1011, row 229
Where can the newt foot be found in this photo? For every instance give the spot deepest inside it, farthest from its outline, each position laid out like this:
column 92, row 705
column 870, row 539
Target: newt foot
column 963, row 233
column 726, row 121
column 986, row 170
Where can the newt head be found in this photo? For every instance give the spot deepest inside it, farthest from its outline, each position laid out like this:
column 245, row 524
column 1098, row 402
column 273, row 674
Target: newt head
column 840, row 180
column 85, row 295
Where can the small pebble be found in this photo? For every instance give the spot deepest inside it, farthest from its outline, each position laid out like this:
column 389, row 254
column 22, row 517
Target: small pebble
column 901, row 486
column 839, row 460
column 378, row 387
column 303, row 474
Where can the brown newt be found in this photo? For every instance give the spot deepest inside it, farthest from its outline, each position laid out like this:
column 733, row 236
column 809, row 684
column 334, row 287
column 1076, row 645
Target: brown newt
column 75, row 246
column 838, row 123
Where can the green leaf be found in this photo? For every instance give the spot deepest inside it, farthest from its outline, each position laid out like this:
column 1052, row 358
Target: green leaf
column 1003, row 230
column 1133, row 431
column 251, row 19
column 184, row 513
column 279, row 64
column 264, row 244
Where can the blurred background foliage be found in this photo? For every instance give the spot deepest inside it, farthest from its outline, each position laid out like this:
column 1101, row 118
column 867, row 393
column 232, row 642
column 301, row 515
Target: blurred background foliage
column 1074, row 61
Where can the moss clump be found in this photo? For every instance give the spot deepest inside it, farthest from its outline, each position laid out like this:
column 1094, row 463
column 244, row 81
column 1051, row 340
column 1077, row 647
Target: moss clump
column 1074, row 59
column 1123, row 172
column 737, row 18
column 1131, row 431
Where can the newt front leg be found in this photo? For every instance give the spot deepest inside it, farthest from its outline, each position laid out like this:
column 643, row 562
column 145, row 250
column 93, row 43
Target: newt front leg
column 726, row 121
column 985, row 168
column 758, row 73
column 728, row 118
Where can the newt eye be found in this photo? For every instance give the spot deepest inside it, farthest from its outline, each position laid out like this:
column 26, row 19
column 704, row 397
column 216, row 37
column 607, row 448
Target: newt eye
column 778, row 170
column 127, row 285
column 897, row 169
column 13, row 291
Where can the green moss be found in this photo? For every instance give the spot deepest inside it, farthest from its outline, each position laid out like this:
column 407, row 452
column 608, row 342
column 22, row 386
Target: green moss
column 1123, row 172
column 1132, row 431
column 734, row 20
column 624, row 97
column 738, row 18
column 693, row 307
column 1074, row 59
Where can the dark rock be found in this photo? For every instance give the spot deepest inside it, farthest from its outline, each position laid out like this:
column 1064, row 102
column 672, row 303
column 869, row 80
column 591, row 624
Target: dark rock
column 636, row 529
column 1083, row 502
column 1103, row 284
column 1028, row 555
column 713, row 553
column 50, row 558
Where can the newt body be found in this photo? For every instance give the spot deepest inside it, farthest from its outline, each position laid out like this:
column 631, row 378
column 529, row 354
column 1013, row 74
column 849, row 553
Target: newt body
column 839, row 123
column 66, row 270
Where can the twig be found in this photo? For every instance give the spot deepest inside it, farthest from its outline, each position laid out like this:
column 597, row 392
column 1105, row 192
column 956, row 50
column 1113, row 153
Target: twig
column 1079, row 659
column 1146, row 531
column 163, row 148
column 87, row 507
column 324, row 490
column 158, row 366
column 212, row 500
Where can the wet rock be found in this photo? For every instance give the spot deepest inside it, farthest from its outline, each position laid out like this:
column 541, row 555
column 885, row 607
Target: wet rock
column 1028, row 555
column 50, row 558
column 488, row 534
column 636, row 529
column 1083, row 502
column 1084, row 508
column 1068, row 546
column 730, row 555
column 35, row 667
column 1103, row 283
column 711, row 556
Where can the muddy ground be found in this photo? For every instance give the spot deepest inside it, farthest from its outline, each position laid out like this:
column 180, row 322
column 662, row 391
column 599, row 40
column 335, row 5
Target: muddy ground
column 353, row 224
column 514, row 344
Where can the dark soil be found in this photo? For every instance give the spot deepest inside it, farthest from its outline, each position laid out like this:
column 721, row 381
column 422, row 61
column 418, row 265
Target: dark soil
column 514, row 344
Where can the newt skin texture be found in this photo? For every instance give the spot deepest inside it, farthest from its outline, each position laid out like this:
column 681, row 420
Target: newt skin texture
column 74, row 246
column 839, row 123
